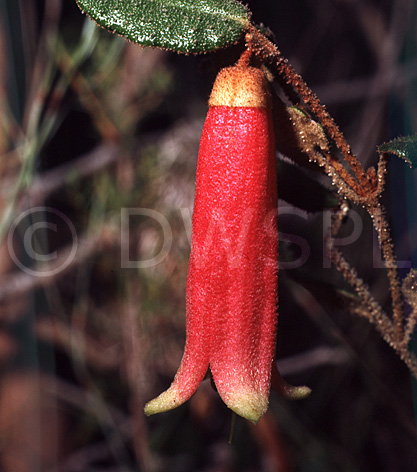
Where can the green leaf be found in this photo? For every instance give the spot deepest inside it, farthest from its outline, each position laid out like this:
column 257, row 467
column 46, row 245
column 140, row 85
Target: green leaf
column 404, row 147
column 188, row 26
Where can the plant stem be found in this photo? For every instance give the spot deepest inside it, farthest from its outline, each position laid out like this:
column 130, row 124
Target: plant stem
column 268, row 51
column 387, row 246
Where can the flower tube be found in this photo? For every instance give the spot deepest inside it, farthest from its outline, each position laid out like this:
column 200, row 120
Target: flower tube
column 231, row 301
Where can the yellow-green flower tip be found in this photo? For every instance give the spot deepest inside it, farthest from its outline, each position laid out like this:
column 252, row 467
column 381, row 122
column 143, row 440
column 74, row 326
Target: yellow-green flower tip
column 168, row 400
column 296, row 393
column 286, row 390
column 249, row 404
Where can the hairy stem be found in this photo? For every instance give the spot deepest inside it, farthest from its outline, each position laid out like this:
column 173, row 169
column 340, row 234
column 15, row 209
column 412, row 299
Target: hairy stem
column 269, row 52
column 387, row 246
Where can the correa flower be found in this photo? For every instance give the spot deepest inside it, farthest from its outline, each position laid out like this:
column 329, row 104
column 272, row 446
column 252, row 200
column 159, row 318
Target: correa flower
column 231, row 302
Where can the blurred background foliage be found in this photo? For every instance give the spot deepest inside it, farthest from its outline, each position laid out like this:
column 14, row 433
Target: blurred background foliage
column 92, row 129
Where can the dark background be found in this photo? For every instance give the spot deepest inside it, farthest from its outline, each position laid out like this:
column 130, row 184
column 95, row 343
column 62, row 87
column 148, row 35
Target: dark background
column 91, row 126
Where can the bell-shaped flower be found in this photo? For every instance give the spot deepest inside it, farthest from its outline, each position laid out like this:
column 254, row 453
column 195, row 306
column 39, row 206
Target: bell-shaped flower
column 232, row 281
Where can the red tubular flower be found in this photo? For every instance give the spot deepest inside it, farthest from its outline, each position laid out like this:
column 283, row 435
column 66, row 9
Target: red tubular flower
column 232, row 276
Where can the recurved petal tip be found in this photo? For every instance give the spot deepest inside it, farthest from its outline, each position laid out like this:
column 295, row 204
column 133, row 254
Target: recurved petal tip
column 286, row 390
column 187, row 379
column 291, row 392
column 168, row 400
